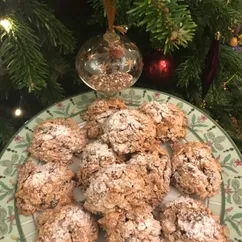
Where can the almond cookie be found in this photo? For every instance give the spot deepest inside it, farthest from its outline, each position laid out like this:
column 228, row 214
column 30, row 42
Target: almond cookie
column 67, row 224
column 43, row 186
column 95, row 156
column 136, row 225
column 187, row 220
column 156, row 162
column 98, row 112
column 117, row 186
column 128, row 185
column 171, row 122
column 127, row 131
column 194, row 170
column 57, row 140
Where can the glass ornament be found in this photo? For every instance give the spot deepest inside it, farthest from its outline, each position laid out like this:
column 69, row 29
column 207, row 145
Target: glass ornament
column 109, row 63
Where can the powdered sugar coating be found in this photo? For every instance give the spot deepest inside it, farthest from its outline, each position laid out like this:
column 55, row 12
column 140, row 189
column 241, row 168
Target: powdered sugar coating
column 190, row 221
column 43, row 186
column 67, row 224
column 194, row 170
column 95, row 156
column 143, row 180
column 156, row 162
column 57, row 140
column 98, row 112
column 136, row 225
column 127, row 131
column 171, row 122
column 117, row 186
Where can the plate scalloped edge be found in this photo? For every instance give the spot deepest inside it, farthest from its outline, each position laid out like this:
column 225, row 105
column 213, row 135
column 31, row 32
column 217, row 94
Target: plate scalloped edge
column 228, row 204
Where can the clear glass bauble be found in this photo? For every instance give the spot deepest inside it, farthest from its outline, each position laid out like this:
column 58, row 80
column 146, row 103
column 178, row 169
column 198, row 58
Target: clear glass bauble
column 109, row 63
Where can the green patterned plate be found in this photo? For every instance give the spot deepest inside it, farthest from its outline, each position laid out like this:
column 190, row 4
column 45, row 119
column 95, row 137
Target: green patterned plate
column 227, row 204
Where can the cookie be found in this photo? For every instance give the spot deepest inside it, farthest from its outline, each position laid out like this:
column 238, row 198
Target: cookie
column 171, row 122
column 43, row 186
column 95, row 156
column 127, row 131
column 194, row 170
column 117, row 186
column 57, row 140
column 98, row 112
column 187, row 220
column 143, row 180
column 136, row 225
column 66, row 224
column 156, row 162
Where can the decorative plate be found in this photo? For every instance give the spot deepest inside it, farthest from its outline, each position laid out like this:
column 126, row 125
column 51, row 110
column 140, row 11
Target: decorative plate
column 227, row 204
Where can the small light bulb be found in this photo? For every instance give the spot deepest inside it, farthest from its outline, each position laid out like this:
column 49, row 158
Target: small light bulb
column 18, row 112
column 6, row 24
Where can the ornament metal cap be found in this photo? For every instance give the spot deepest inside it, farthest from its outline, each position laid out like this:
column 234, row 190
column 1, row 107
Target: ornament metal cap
column 111, row 36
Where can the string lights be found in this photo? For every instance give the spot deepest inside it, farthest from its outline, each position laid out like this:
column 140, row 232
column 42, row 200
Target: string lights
column 6, row 24
column 18, row 111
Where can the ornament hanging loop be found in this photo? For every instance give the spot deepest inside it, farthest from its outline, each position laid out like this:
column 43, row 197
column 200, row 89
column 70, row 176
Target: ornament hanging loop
column 110, row 35
column 110, row 6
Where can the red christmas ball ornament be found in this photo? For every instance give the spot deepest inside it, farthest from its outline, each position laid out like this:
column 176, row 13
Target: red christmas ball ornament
column 158, row 67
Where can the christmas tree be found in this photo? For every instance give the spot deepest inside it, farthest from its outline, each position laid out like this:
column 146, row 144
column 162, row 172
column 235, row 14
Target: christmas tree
column 204, row 68
column 32, row 46
column 186, row 30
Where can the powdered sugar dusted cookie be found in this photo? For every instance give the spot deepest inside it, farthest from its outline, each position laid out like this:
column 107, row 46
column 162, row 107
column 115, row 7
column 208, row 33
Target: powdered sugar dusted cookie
column 117, row 186
column 194, row 170
column 171, row 122
column 43, row 186
column 190, row 221
column 98, row 112
column 127, row 131
column 67, row 224
column 125, row 186
column 95, row 156
column 57, row 140
column 157, row 164
column 136, row 225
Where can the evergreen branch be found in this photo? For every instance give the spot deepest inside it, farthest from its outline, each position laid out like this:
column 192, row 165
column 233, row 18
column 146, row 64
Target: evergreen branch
column 227, row 108
column 121, row 12
column 20, row 53
column 53, row 92
column 236, row 5
column 190, row 70
column 170, row 24
column 57, row 33
column 230, row 61
column 215, row 14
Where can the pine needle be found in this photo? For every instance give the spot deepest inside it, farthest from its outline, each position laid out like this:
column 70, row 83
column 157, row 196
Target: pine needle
column 20, row 53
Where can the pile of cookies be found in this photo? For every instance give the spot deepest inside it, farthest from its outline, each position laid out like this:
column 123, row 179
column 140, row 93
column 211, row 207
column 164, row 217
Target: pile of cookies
column 125, row 175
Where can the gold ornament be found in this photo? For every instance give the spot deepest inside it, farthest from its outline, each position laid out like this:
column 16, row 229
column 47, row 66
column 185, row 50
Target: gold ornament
column 233, row 42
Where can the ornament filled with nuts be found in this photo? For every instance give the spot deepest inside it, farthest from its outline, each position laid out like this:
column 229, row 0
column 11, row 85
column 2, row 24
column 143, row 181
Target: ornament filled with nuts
column 109, row 63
